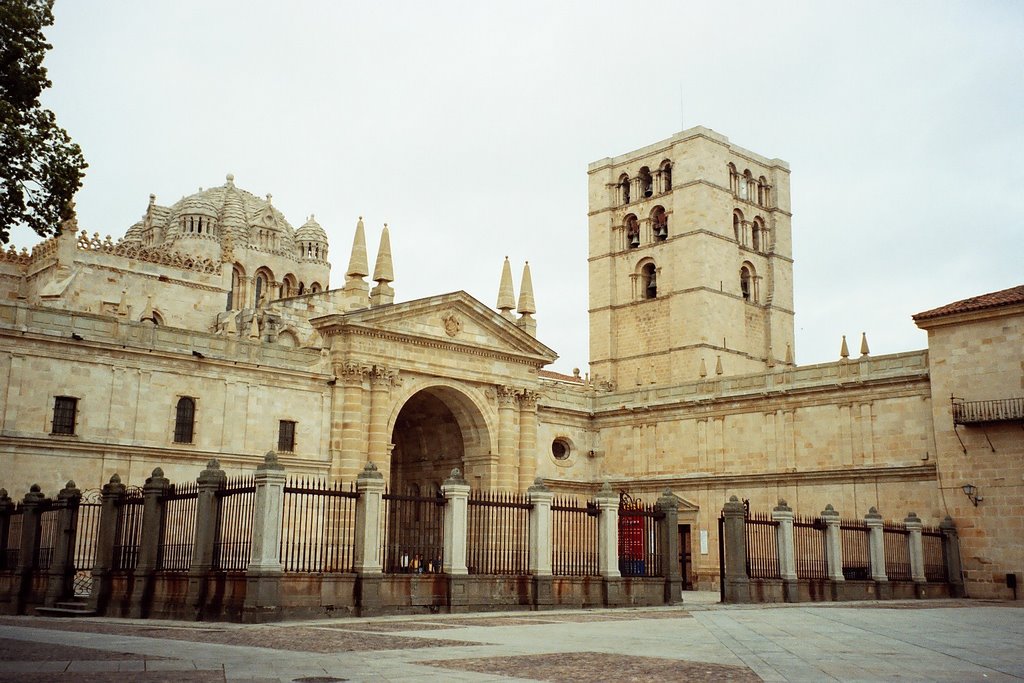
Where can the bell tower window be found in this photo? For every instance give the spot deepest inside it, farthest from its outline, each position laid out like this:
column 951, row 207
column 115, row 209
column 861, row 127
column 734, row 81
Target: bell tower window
column 659, row 223
column 646, row 183
column 748, row 283
column 666, row 175
column 632, row 231
column 624, row 188
column 649, row 281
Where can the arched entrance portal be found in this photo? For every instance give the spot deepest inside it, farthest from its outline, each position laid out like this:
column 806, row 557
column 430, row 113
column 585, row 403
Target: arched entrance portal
column 438, row 429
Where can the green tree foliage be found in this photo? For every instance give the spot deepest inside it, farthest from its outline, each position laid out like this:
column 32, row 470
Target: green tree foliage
column 41, row 168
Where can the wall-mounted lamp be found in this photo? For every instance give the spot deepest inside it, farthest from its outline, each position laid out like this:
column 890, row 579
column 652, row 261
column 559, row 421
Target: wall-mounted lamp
column 971, row 491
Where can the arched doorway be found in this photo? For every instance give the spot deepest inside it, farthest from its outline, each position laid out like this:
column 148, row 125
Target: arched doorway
column 438, row 429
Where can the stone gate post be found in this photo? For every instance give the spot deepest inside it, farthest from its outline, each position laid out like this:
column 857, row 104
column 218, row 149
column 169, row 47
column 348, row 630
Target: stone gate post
column 876, row 547
column 916, row 550
column 149, row 543
column 608, row 545
column 541, row 497
column 366, row 554
column 737, row 583
column 111, row 502
column 833, row 544
column 263, row 575
column 668, row 504
column 783, row 515
column 951, row 553
column 62, row 566
column 207, row 516
column 456, row 526
column 32, row 506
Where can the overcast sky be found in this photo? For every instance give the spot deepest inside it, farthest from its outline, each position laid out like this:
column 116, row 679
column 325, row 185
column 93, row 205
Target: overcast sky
column 468, row 127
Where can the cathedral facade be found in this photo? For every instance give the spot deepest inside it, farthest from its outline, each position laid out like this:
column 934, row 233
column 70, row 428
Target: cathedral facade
column 213, row 329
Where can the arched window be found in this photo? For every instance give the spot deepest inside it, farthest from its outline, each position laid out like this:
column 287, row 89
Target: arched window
column 659, row 223
column 666, row 175
column 302, row 288
column 734, row 180
column 747, row 186
column 737, row 226
column 236, row 295
column 748, row 283
column 184, row 420
column 649, row 281
column 288, row 286
column 314, row 288
column 755, row 235
column 263, row 280
column 632, row 231
column 762, row 191
column 624, row 188
column 646, row 182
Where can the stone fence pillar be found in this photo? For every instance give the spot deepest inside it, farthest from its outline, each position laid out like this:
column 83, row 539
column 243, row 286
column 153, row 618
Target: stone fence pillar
column 737, row 583
column 207, row 512
column 111, row 502
column 62, row 566
column 149, row 543
column 783, row 515
column 456, row 491
column 916, row 550
column 833, row 543
column 32, row 507
column 7, row 507
column 263, row 575
column 541, row 497
column 668, row 504
column 951, row 553
column 366, row 555
column 608, row 545
column 876, row 547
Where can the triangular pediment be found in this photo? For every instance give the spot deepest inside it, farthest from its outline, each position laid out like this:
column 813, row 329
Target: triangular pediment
column 456, row 320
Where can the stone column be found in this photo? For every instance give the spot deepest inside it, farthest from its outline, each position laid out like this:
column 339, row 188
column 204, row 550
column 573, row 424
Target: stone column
column 541, row 497
column 506, row 478
column 350, row 450
column 456, row 492
column 149, row 546
column 833, row 543
column 783, row 514
column 207, row 512
column 263, row 575
column 876, row 545
column 62, row 567
column 31, row 509
column 381, row 381
column 737, row 583
column 111, row 501
column 527, row 438
column 669, row 505
column 951, row 553
column 916, row 550
column 366, row 555
column 608, row 546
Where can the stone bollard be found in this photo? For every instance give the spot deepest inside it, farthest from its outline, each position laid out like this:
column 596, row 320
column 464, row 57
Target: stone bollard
column 366, row 554
column 263, row 575
column 668, row 504
column 951, row 552
column 149, row 545
column 916, row 551
column 737, row 582
column 783, row 515
column 541, row 497
column 28, row 555
column 111, row 501
column 62, row 567
column 209, row 482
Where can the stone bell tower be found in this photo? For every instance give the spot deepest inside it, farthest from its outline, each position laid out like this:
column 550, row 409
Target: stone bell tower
column 691, row 266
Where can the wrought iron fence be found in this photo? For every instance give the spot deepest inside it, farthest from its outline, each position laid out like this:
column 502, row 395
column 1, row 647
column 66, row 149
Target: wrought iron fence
column 897, row 551
column 86, row 537
column 413, row 533
column 12, row 548
column 968, row 412
column 128, row 532
column 640, row 552
column 178, row 527
column 856, row 549
column 231, row 547
column 933, row 549
column 49, row 534
column 498, row 533
column 809, row 547
column 762, row 548
column 318, row 526
column 574, row 537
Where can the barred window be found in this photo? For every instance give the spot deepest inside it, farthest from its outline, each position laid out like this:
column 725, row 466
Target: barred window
column 286, row 436
column 64, row 411
column 184, row 420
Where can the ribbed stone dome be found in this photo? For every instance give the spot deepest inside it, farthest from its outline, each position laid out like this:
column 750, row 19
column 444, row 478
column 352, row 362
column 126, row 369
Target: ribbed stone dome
column 310, row 232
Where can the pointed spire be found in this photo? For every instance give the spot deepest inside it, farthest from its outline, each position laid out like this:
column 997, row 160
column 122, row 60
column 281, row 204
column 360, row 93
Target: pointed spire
column 122, row 305
column 357, row 268
column 230, row 326
column 526, row 306
column 844, row 350
column 718, row 366
column 771, row 358
column 703, row 371
column 506, row 295
column 864, row 344
column 254, row 328
column 148, row 314
column 789, row 355
column 383, row 273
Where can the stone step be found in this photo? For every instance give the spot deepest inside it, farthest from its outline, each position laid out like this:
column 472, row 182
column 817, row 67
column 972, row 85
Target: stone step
column 66, row 609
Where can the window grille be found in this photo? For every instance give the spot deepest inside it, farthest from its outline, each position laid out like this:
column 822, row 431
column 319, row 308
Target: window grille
column 184, row 420
column 64, row 410
column 286, row 436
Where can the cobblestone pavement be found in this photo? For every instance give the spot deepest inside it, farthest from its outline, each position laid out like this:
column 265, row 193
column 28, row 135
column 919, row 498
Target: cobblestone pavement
column 948, row 640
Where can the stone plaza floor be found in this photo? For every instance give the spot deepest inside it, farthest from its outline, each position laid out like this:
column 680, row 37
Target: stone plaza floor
column 941, row 640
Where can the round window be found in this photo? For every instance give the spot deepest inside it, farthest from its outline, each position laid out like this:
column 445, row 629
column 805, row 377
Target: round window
column 560, row 449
